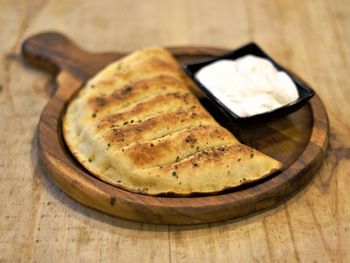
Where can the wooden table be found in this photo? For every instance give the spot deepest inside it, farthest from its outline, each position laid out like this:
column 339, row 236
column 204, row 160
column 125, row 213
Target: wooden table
column 39, row 223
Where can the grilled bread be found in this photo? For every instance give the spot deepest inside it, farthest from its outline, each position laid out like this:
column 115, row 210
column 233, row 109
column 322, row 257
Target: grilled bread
column 137, row 126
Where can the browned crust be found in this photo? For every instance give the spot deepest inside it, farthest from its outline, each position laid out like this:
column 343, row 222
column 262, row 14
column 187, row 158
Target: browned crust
column 172, row 121
column 147, row 106
column 161, row 83
column 191, row 140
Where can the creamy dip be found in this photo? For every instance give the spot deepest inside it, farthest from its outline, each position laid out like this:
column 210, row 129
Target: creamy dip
column 249, row 85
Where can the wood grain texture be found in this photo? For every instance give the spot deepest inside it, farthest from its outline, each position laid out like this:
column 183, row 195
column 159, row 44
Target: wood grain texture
column 298, row 140
column 39, row 223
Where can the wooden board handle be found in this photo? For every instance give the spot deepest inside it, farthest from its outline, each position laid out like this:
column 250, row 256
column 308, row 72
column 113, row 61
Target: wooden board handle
column 55, row 52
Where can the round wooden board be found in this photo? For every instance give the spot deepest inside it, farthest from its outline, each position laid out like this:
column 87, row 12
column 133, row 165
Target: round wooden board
column 299, row 140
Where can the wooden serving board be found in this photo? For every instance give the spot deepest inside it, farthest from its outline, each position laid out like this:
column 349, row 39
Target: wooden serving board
column 299, row 140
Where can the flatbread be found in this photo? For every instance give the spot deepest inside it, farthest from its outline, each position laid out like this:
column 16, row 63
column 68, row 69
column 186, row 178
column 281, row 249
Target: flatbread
column 137, row 126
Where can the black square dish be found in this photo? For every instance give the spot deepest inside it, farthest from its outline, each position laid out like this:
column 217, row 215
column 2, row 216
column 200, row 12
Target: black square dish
column 305, row 92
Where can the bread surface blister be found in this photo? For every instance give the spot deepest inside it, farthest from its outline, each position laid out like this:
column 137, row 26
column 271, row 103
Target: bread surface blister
column 137, row 126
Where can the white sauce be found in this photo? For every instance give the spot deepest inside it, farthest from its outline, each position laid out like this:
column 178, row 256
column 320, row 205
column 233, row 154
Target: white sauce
column 249, row 85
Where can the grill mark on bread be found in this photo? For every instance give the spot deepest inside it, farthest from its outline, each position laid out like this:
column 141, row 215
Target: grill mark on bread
column 208, row 156
column 135, row 92
column 146, row 108
column 158, row 126
column 186, row 127
column 175, row 147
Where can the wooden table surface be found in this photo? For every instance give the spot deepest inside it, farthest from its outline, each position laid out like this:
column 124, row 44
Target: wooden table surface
column 39, row 223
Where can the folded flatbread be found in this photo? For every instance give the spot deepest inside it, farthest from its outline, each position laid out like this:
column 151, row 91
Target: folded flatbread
column 136, row 125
